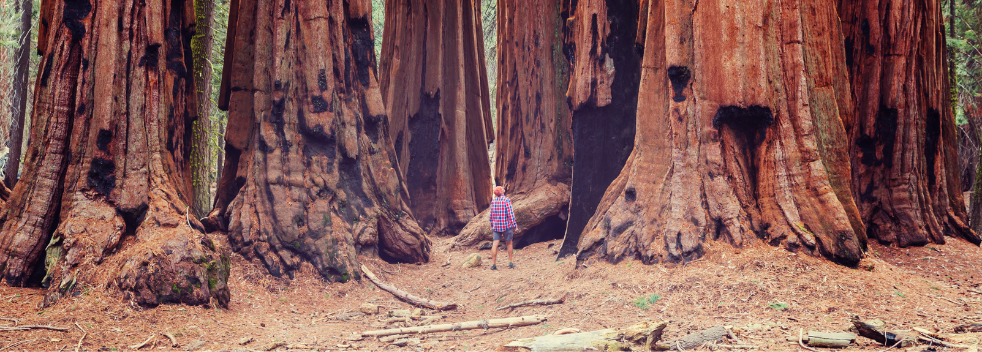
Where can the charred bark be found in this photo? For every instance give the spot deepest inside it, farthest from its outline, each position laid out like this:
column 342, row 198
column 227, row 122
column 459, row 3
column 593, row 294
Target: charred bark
column 904, row 166
column 108, row 160
column 533, row 151
column 736, row 139
column 434, row 84
column 309, row 174
column 600, row 43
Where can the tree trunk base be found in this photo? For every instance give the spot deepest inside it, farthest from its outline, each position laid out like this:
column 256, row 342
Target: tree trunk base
column 531, row 210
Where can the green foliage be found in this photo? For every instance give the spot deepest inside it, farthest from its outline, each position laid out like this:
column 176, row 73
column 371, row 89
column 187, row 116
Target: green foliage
column 899, row 293
column 644, row 302
column 962, row 27
column 778, row 305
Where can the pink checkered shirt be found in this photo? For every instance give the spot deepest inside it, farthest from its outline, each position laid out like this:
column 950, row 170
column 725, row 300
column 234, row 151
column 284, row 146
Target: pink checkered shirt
column 502, row 215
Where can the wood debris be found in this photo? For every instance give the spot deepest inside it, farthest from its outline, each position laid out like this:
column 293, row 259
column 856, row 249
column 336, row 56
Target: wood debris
column 405, row 296
column 468, row 325
column 533, row 302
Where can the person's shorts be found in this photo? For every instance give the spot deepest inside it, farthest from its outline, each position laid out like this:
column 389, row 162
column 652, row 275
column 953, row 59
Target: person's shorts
column 509, row 234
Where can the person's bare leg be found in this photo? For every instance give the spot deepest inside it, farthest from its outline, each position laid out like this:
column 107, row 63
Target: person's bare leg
column 511, row 250
column 494, row 252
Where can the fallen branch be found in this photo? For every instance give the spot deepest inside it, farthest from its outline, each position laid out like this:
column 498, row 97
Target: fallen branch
column 84, row 333
column 144, row 343
column 405, row 296
column 173, row 340
column 935, row 341
column 473, row 289
column 802, row 344
column 947, row 299
column 894, row 345
column 17, row 343
column 733, row 337
column 468, row 325
column 29, row 327
column 714, row 346
column 534, row 302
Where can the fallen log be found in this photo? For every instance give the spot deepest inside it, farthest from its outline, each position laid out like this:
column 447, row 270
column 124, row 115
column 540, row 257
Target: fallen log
column 29, row 327
column 405, row 296
column 533, row 302
column 693, row 340
column 973, row 327
column 468, row 325
column 641, row 336
column 830, row 339
column 874, row 330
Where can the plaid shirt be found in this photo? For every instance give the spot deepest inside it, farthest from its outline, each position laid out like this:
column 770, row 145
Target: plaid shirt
column 502, row 215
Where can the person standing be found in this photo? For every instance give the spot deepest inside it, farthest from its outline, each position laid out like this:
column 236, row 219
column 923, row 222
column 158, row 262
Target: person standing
column 502, row 223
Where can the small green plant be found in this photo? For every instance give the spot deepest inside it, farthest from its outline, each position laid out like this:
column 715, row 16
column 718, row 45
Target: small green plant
column 500, row 299
column 935, row 288
column 560, row 262
column 429, row 291
column 327, row 296
column 899, row 294
column 645, row 302
column 629, row 265
column 778, row 305
column 480, row 307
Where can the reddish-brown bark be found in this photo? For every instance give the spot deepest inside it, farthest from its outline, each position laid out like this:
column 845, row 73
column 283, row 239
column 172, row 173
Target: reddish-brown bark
column 533, row 152
column 434, row 84
column 903, row 142
column 741, row 130
column 601, row 43
column 108, row 162
column 309, row 174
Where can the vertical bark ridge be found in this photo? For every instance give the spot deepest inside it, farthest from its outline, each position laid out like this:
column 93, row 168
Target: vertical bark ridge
column 904, row 127
column 308, row 176
column 434, row 85
column 110, row 158
column 728, row 145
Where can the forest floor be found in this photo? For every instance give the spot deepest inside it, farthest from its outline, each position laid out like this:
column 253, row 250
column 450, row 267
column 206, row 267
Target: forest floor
column 767, row 293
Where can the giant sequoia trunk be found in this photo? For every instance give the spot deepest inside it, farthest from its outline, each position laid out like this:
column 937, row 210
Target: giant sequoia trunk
column 603, row 95
column 108, row 161
column 741, row 133
column 904, row 140
column 434, row 84
column 533, row 151
column 309, row 174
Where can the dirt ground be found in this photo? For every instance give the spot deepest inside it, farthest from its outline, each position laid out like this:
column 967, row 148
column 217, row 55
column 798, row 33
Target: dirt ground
column 767, row 293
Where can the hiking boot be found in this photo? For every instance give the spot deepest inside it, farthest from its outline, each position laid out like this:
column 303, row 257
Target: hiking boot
column 494, row 267
column 511, row 265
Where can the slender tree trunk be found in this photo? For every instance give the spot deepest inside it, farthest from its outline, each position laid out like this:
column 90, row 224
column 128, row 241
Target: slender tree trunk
column 109, row 159
column 601, row 43
column 309, row 173
column 904, row 134
column 19, row 96
column 533, row 151
column 434, row 84
column 201, row 44
column 736, row 138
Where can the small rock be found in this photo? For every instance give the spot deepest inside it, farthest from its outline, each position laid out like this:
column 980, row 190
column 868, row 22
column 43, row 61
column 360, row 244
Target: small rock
column 473, row 260
column 401, row 342
column 194, row 345
column 246, row 340
column 368, row 308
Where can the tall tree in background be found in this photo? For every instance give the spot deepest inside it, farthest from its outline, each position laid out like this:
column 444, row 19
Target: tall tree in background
column 309, row 174
column 736, row 138
column 533, row 150
column 201, row 45
column 19, row 93
column 435, row 89
column 603, row 95
column 109, row 159
column 904, row 142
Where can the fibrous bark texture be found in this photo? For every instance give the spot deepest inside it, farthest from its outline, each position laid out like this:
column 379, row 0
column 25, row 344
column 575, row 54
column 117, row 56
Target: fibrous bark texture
column 309, row 173
column 603, row 88
column 904, row 141
column 201, row 45
column 741, row 119
column 108, row 161
column 434, row 84
column 19, row 94
column 533, row 152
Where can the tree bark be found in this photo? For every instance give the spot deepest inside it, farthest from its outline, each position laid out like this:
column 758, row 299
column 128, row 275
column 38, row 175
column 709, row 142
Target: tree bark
column 109, row 159
column 19, row 96
column 309, row 174
column 600, row 42
column 533, row 152
column 907, row 186
column 201, row 45
column 434, row 84
column 736, row 138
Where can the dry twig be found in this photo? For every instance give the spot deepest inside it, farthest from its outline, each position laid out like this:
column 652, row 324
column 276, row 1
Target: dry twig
column 802, row 344
column 16, row 343
column 474, row 289
column 84, row 334
column 29, row 327
column 534, row 302
column 173, row 340
column 894, row 345
column 144, row 343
